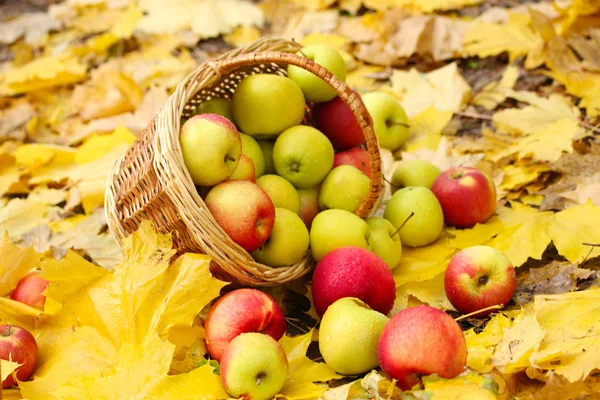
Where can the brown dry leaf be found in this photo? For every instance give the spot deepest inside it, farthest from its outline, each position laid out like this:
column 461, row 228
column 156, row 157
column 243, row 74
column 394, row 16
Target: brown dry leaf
column 494, row 93
column 32, row 27
column 303, row 24
column 585, row 192
column 14, row 119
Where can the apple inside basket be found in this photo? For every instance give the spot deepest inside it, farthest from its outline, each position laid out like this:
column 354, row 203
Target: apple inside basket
column 202, row 188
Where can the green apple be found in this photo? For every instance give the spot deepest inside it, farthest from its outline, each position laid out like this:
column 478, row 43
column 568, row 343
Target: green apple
column 413, row 173
column 216, row 105
column 420, row 214
column 288, row 242
column 251, row 148
column 314, row 88
column 244, row 171
column 254, row 366
column 389, row 119
column 303, row 156
column 283, row 193
column 264, row 105
column 385, row 240
column 332, row 229
column 267, row 149
column 309, row 204
column 345, row 187
column 348, row 336
column 211, row 148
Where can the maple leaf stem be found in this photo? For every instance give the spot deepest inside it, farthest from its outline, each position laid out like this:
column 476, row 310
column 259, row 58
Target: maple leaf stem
column 592, row 128
column 494, row 307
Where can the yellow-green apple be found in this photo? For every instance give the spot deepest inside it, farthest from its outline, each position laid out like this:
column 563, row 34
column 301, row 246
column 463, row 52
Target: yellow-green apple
column 216, row 105
column 251, row 148
column 283, row 193
column 332, row 229
column 414, row 173
column 288, row 242
column 467, row 196
column 479, row 277
column 348, row 336
column 267, row 149
column 385, row 240
column 245, row 170
column 264, row 105
column 353, row 272
column 303, row 156
column 30, row 290
column 314, row 88
column 421, row 341
column 336, row 120
column 418, row 213
column 211, row 148
column 18, row 344
column 240, row 311
column 344, row 188
column 244, row 211
column 254, row 367
column 309, row 204
column 389, row 119
column 357, row 157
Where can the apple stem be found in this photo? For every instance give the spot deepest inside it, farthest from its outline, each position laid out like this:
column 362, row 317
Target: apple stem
column 259, row 378
column 388, row 181
column 397, row 124
column 229, row 158
column 404, row 223
column 494, row 307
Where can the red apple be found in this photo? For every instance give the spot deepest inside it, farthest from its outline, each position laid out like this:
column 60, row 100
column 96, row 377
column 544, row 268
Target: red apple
column 467, row 196
column 18, row 345
column 353, row 272
column 479, row 277
column 357, row 157
column 244, row 211
column 245, row 170
column 335, row 119
column 309, row 205
column 29, row 290
column 241, row 311
column 421, row 341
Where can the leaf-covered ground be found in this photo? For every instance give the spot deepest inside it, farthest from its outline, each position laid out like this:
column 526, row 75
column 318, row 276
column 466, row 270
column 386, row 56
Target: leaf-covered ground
column 508, row 86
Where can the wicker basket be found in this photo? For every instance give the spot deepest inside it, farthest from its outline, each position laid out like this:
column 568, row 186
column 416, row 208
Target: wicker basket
column 150, row 181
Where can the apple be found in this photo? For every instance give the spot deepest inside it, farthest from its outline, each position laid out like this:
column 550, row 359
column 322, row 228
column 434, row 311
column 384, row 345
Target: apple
column 418, row 213
column 479, row 277
column 389, row 119
column 332, row 229
column 244, row 211
column 18, row 345
column 309, row 204
column 288, row 242
column 385, row 240
column 420, row 341
column 348, row 336
column 344, row 188
column 251, row 148
column 283, row 193
column 254, row 367
column 314, row 88
column 353, row 272
column 211, row 148
column 216, row 105
column 30, row 289
column 239, row 311
column 267, row 149
column 356, row 157
column 414, row 173
column 467, row 196
column 264, row 105
column 244, row 170
column 303, row 156
column 336, row 120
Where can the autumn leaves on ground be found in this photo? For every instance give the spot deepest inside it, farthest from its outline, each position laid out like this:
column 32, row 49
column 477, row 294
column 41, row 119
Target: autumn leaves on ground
column 512, row 89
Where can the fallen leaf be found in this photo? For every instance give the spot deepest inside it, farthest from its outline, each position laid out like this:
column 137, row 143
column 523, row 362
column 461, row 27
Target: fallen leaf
column 548, row 143
column 15, row 263
column 468, row 385
column 425, row 129
column 584, row 193
column 494, row 93
column 8, row 367
column 19, row 216
column 14, row 119
column 31, row 26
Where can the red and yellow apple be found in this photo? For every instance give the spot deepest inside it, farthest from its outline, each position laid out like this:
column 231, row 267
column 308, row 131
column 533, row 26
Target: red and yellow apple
column 336, row 120
column 244, row 171
column 251, row 148
column 467, row 196
column 479, row 277
column 240, row 311
column 332, row 229
column 309, row 204
column 216, row 105
column 421, row 341
column 18, row 344
column 30, row 290
column 356, row 157
column 353, row 272
column 283, row 193
column 344, row 188
column 249, row 222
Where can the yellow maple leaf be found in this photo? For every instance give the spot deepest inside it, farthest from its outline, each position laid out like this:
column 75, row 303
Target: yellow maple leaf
column 425, row 128
column 429, row 292
column 126, row 23
column 494, row 93
column 581, row 84
column 7, row 367
column 422, row 263
column 21, row 215
column 572, row 228
column 480, row 234
column 466, row 386
column 14, row 264
column 548, row 143
column 97, row 145
column 520, row 174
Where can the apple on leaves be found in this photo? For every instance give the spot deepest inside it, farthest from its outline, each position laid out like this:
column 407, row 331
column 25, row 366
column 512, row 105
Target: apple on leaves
column 19, row 345
column 30, row 289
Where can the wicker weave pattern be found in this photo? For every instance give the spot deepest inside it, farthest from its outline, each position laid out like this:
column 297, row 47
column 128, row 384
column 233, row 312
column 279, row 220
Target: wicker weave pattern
column 151, row 181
